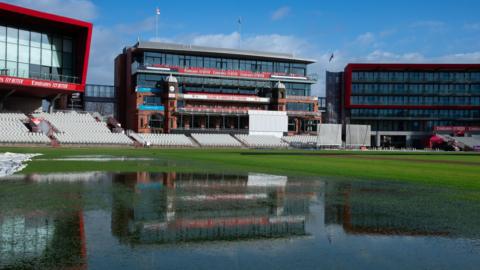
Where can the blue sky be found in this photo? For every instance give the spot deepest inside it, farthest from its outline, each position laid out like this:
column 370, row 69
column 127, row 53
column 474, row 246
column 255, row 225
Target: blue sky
column 355, row 31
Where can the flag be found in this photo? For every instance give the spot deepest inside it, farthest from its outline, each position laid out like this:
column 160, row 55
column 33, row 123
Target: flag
column 158, row 11
column 331, row 58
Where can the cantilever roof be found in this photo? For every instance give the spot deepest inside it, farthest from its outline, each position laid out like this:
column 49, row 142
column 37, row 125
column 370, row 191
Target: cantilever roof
column 148, row 45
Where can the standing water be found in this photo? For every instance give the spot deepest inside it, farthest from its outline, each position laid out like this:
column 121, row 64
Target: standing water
column 225, row 221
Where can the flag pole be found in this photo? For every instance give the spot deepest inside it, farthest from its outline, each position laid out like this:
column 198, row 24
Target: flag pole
column 240, row 32
column 157, row 14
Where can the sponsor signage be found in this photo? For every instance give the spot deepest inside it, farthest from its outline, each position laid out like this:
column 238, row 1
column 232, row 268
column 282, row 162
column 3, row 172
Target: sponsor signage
column 40, row 83
column 226, row 98
column 151, row 108
column 227, row 73
column 457, row 129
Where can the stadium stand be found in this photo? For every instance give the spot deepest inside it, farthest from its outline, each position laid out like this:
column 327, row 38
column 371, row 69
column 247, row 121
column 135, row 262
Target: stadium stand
column 262, row 141
column 14, row 131
column 216, row 140
column 467, row 142
column 82, row 128
column 168, row 140
column 301, row 140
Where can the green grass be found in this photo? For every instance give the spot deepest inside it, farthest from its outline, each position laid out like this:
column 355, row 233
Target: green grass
column 440, row 169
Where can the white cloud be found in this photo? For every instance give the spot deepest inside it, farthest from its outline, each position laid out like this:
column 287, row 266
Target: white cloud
column 106, row 45
column 431, row 25
column 366, row 38
column 472, row 26
column 79, row 9
column 280, row 13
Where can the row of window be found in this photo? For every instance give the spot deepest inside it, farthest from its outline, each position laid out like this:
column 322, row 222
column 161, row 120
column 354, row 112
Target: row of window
column 415, row 89
column 415, row 100
column 181, row 60
column 416, row 76
column 306, row 107
column 415, row 113
column 152, row 101
column 31, row 54
column 105, row 91
column 403, row 125
column 252, row 86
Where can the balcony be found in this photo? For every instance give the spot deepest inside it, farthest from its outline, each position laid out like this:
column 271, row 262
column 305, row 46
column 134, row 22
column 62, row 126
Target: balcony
column 225, row 97
column 214, row 111
column 302, row 98
column 39, row 76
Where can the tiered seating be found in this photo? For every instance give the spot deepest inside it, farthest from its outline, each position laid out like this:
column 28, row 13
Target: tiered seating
column 301, row 140
column 12, row 130
column 470, row 142
column 175, row 140
column 262, row 141
column 93, row 138
column 216, row 140
column 82, row 128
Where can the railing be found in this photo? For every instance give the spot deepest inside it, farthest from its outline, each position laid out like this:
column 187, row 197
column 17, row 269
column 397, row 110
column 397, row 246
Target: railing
column 39, row 76
column 214, row 110
column 222, row 72
column 302, row 113
column 310, row 98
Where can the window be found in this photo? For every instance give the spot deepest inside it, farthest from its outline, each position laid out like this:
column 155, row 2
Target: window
column 152, row 101
column 35, row 39
column 3, row 34
column 23, row 54
column 67, row 45
column 46, row 57
column 12, row 52
column 35, row 56
column 3, row 48
column 12, row 35
column 24, row 37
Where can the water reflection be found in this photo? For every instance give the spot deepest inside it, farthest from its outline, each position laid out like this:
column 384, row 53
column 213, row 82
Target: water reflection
column 108, row 220
column 179, row 207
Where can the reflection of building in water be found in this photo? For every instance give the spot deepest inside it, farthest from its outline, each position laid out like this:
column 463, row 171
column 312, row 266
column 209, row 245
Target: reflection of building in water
column 177, row 207
column 361, row 209
column 42, row 240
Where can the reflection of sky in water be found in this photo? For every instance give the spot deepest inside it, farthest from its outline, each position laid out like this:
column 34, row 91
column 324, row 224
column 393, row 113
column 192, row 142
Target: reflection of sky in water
column 181, row 220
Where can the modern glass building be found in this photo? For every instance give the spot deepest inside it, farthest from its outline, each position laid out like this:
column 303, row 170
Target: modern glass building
column 41, row 55
column 216, row 88
column 101, row 99
column 404, row 103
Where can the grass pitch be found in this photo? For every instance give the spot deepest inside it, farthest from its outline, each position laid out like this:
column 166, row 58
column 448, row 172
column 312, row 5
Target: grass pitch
column 459, row 170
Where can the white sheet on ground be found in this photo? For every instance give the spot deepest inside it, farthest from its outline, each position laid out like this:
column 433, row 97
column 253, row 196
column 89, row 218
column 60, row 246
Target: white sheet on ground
column 11, row 163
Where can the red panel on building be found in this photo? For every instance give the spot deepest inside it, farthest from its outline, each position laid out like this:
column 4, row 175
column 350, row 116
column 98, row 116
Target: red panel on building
column 32, row 20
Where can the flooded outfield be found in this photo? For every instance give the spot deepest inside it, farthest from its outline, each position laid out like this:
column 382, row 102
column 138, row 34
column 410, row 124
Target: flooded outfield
column 233, row 221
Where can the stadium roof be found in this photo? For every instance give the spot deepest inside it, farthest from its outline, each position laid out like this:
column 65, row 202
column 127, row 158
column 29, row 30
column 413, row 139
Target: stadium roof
column 149, row 45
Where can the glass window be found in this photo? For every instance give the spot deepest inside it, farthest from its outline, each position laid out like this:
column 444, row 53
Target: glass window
column 12, row 52
column 24, row 37
column 12, row 35
column 56, row 59
column 35, row 39
column 3, row 34
column 3, row 48
column 46, row 57
column 35, row 56
column 23, row 70
column 12, row 68
column 57, row 44
column 23, row 54
column 67, row 45
column 46, row 41
column 67, row 60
